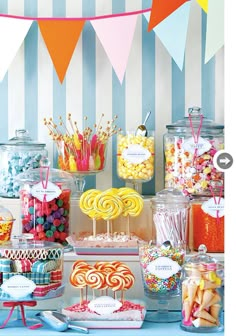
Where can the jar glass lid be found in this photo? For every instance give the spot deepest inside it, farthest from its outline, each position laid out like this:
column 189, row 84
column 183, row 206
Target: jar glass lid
column 170, row 196
column 195, row 113
column 22, row 138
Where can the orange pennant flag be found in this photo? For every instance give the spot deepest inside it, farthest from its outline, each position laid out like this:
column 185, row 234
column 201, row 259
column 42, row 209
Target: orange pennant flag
column 161, row 9
column 60, row 37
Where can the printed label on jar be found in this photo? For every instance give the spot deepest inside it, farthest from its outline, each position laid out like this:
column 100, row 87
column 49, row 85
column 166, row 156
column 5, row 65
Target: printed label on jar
column 214, row 207
column 136, row 154
column 18, row 286
column 104, row 305
column 202, row 146
column 48, row 194
column 163, row 267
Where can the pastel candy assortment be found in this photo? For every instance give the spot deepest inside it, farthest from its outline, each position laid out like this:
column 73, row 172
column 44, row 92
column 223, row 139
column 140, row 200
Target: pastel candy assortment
column 158, row 284
column 182, row 171
column 131, row 146
column 14, row 164
column 46, row 220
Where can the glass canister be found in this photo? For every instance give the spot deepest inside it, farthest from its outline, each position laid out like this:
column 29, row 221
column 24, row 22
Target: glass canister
column 189, row 148
column 16, row 156
column 207, row 219
column 45, row 202
column 135, row 157
column 202, row 293
column 161, row 259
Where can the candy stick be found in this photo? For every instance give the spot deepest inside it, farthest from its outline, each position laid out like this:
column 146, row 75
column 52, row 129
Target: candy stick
column 128, row 226
column 94, row 227
column 108, row 228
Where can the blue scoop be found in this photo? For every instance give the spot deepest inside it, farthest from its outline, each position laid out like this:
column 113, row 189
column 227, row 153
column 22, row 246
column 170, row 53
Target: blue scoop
column 59, row 322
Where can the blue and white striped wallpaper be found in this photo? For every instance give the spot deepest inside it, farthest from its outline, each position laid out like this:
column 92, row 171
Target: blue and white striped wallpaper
column 31, row 90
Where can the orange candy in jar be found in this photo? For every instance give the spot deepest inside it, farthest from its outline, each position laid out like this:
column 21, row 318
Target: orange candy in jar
column 207, row 216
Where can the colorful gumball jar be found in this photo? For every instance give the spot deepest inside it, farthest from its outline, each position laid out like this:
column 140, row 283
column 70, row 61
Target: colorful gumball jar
column 45, row 203
column 189, row 148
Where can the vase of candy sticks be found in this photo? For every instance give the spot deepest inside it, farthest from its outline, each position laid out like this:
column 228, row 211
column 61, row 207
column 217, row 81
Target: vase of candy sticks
column 82, row 153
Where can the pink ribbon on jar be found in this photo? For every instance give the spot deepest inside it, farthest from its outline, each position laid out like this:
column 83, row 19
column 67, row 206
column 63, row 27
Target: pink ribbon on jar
column 195, row 136
column 44, row 185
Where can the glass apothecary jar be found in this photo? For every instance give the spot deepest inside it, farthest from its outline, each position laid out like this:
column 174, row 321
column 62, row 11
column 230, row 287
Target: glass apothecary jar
column 6, row 224
column 202, row 293
column 189, row 147
column 45, row 202
column 135, row 157
column 162, row 258
column 208, row 220
column 16, row 156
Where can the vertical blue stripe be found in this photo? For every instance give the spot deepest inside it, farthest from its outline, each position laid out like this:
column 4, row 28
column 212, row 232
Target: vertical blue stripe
column 89, row 75
column 178, row 92
column 118, row 105
column 4, row 93
column 208, row 77
column 59, row 90
column 148, row 87
column 31, row 72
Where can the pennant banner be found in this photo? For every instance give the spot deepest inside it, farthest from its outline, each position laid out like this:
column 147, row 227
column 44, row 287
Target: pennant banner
column 161, row 9
column 12, row 35
column 203, row 4
column 116, row 36
column 173, row 33
column 215, row 28
column 60, row 37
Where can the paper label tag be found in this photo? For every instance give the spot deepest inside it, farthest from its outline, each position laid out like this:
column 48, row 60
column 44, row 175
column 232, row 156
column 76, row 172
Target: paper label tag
column 52, row 191
column 163, row 267
column 18, row 286
column 136, row 154
column 214, row 209
column 104, row 305
column 202, row 146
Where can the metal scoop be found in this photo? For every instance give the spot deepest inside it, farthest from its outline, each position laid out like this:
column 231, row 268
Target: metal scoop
column 142, row 130
column 59, row 322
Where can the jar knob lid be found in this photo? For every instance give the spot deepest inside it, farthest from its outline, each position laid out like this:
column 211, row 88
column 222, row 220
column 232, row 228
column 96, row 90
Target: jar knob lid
column 44, row 162
column 194, row 111
column 202, row 249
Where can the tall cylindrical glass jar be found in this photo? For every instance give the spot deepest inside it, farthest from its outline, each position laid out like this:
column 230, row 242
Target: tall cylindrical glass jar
column 189, row 147
column 202, row 293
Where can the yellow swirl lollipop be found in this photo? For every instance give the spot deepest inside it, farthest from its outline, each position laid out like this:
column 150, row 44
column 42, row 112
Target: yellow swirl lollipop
column 132, row 201
column 108, row 204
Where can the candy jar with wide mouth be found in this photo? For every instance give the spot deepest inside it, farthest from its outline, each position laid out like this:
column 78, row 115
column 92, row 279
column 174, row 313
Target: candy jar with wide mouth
column 45, row 202
column 189, row 147
column 135, row 157
column 202, row 293
column 16, row 156
column 162, row 258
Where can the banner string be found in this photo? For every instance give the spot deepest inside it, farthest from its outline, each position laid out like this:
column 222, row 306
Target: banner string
column 141, row 11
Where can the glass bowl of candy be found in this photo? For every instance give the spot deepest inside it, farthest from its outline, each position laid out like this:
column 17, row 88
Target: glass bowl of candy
column 135, row 157
column 82, row 153
column 45, row 202
column 6, row 224
column 16, row 156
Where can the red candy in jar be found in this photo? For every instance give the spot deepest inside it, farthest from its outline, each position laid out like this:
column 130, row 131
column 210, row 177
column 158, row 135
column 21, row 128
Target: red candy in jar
column 189, row 148
column 45, row 203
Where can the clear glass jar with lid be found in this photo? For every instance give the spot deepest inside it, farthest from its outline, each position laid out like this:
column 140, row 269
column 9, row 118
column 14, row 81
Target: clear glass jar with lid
column 189, row 147
column 202, row 293
column 16, row 156
column 45, row 202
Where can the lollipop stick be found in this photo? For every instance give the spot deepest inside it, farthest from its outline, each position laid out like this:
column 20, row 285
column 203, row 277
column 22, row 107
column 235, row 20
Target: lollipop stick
column 108, row 228
column 81, row 295
column 128, row 226
column 94, row 227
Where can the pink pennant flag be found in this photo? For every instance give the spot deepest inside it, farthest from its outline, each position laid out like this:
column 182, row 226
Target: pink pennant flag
column 116, row 36
column 13, row 33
